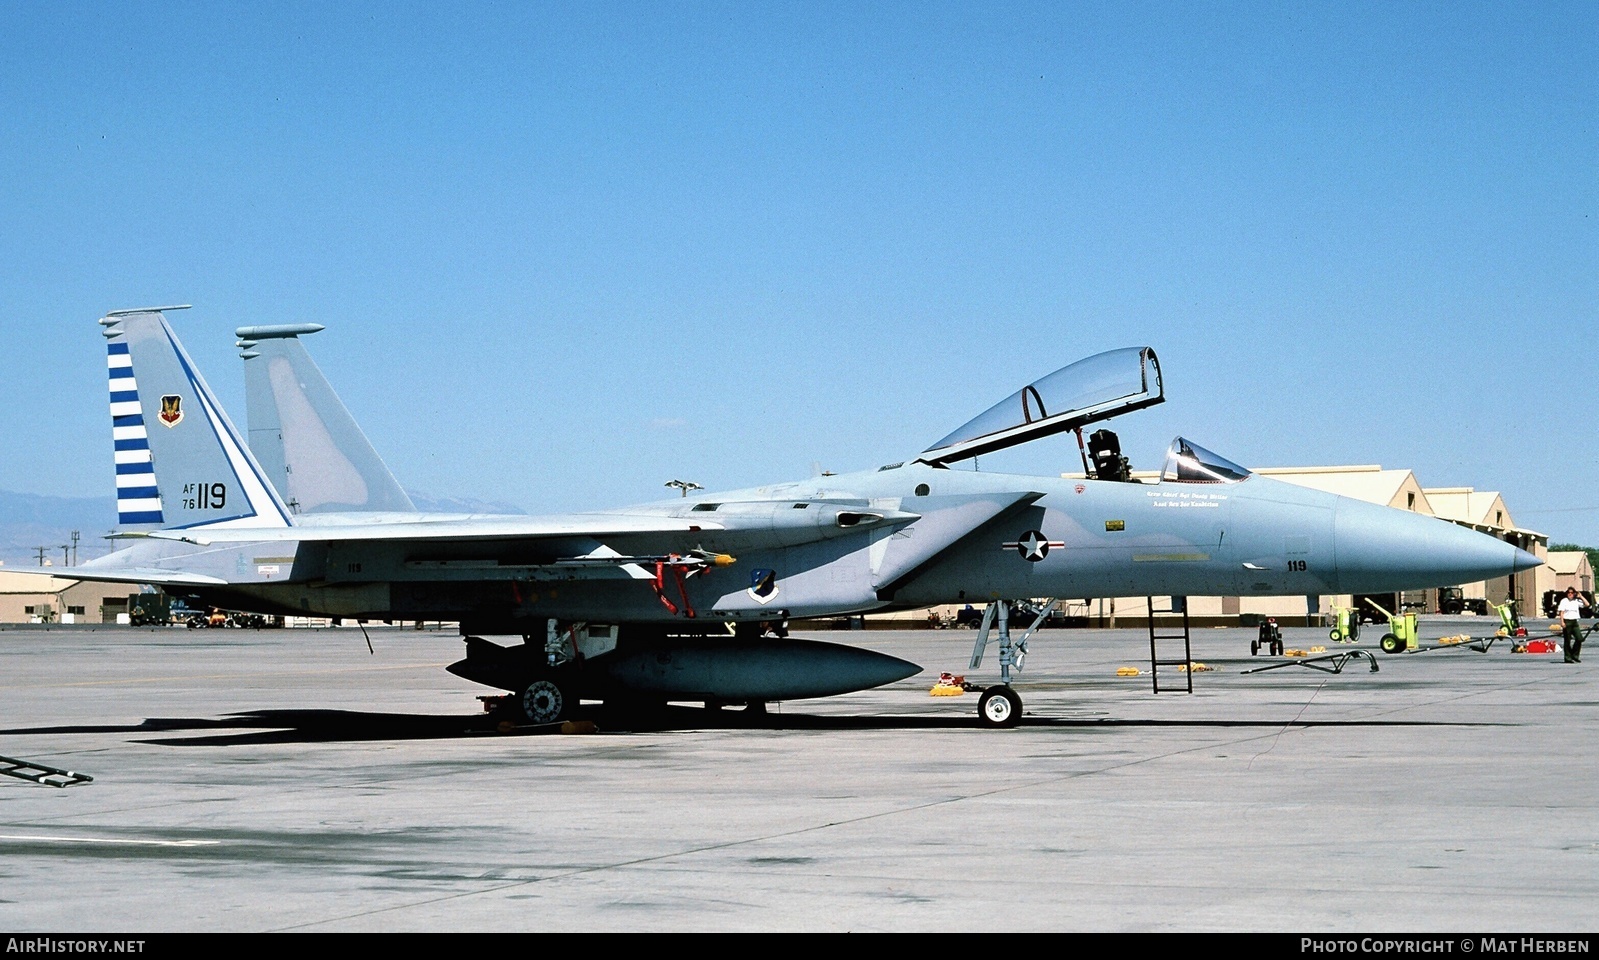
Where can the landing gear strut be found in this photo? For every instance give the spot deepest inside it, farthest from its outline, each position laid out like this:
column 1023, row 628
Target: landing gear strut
column 1000, row 706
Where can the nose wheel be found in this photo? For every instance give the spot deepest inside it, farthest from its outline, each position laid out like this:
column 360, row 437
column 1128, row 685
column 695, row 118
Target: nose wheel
column 999, row 707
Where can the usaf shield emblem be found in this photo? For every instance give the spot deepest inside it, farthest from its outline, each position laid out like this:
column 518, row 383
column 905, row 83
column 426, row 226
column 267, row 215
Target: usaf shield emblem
column 763, row 585
column 171, row 409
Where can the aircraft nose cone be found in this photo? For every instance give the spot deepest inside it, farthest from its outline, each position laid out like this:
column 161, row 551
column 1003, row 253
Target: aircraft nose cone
column 1381, row 549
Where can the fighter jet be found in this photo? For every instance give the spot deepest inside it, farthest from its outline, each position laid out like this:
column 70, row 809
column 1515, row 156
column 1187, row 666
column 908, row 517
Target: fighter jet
column 676, row 600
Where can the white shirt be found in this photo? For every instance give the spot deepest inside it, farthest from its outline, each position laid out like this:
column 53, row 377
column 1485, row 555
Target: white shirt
column 1570, row 608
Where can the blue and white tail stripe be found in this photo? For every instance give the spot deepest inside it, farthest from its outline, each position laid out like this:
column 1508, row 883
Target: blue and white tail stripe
column 138, row 498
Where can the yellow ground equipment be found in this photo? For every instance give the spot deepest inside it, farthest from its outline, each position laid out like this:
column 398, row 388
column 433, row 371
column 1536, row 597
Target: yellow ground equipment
column 1346, row 626
column 1401, row 635
column 1509, row 619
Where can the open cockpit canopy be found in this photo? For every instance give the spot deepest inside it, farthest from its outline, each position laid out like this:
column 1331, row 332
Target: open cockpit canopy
column 1188, row 462
column 1100, row 387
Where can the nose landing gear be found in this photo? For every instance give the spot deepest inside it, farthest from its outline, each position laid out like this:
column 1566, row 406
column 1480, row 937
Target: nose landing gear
column 1000, row 706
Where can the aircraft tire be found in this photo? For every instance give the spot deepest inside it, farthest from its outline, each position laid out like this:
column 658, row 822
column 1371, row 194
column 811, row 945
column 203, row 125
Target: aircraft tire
column 542, row 702
column 1390, row 643
column 1000, row 707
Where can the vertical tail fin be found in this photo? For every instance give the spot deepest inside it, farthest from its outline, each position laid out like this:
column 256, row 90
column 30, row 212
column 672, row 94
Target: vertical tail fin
column 311, row 448
column 179, row 461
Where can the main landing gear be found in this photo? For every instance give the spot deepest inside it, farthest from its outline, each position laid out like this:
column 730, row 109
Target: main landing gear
column 551, row 695
column 543, row 682
column 542, row 701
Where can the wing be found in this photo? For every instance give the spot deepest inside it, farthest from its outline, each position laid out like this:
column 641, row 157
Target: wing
column 455, row 529
column 572, row 546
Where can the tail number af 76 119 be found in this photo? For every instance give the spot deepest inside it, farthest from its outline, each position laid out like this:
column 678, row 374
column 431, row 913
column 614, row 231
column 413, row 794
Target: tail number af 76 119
column 205, row 496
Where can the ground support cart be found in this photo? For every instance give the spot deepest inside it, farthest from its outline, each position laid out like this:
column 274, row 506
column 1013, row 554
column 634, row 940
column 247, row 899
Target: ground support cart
column 1401, row 635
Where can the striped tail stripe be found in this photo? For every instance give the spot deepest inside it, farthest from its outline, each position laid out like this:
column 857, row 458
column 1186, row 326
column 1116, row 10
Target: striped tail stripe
column 138, row 499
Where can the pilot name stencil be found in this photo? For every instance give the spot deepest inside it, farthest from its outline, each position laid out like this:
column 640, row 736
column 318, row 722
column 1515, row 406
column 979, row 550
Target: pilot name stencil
column 1185, row 500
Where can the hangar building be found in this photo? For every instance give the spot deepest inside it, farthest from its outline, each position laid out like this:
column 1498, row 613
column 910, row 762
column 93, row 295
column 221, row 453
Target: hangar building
column 29, row 598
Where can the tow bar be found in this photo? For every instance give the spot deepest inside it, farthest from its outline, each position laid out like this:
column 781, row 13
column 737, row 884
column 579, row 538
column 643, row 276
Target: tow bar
column 1331, row 663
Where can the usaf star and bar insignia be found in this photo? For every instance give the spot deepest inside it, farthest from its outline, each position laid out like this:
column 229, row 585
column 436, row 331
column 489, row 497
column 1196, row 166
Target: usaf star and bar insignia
column 1032, row 545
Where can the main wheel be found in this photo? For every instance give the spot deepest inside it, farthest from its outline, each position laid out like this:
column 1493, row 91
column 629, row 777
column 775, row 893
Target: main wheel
column 999, row 707
column 1391, row 644
column 542, row 702
column 1254, row 648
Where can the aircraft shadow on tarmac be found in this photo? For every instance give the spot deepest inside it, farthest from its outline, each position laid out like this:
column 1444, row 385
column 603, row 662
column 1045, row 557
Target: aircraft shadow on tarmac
column 332, row 726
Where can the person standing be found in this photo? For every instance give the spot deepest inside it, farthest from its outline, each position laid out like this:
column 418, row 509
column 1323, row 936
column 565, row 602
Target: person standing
column 1570, row 610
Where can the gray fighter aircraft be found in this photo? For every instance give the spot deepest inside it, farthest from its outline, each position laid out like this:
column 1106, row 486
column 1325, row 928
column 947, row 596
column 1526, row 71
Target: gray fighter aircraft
column 673, row 601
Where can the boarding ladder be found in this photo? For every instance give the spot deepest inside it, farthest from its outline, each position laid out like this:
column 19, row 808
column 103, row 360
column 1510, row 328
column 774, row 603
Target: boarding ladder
column 39, row 773
column 1156, row 661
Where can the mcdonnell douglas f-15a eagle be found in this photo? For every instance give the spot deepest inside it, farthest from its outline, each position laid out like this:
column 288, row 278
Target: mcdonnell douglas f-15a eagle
column 670, row 601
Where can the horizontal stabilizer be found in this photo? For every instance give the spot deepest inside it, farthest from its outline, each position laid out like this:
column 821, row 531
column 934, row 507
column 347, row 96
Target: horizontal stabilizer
column 158, row 576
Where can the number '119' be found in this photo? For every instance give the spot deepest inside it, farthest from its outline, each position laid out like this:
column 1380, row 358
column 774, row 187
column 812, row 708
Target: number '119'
column 205, row 496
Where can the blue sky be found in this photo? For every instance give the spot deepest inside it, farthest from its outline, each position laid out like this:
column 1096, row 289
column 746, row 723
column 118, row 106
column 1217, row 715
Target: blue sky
column 568, row 252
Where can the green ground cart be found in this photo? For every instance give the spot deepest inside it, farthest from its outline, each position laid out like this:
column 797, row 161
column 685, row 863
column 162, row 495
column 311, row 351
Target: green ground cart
column 1346, row 626
column 1509, row 618
column 1401, row 635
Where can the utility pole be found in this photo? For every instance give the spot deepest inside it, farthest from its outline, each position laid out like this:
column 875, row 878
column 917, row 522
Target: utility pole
column 75, row 548
column 40, row 551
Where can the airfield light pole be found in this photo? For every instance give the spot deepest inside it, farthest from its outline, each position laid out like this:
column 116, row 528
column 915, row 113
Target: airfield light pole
column 684, row 485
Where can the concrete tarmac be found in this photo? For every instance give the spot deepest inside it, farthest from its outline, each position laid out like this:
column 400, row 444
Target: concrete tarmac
column 289, row 780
